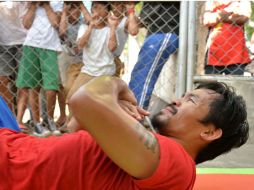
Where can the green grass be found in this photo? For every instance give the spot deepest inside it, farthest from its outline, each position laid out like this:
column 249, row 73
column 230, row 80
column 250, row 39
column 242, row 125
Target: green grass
column 225, row 170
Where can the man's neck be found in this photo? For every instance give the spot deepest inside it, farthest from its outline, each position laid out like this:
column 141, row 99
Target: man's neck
column 191, row 149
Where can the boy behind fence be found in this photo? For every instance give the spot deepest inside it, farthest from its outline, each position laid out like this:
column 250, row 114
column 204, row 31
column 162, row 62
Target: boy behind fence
column 38, row 66
column 98, row 42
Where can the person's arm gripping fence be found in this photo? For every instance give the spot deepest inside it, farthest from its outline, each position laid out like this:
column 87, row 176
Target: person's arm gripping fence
column 64, row 21
column 29, row 16
column 82, row 42
column 112, row 43
column 132, row 23
column 52, row 16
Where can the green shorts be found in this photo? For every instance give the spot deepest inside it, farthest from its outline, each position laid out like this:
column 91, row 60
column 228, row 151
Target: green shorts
column 38, row 68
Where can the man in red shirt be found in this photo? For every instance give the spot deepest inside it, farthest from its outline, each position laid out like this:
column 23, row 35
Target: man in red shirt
column 114, row 151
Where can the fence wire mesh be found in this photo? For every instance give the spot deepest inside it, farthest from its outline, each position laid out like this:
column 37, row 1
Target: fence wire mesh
column 49, row 49
column 224, row 33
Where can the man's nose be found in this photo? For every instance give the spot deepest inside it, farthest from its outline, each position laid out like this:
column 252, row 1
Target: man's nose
column 177, row 102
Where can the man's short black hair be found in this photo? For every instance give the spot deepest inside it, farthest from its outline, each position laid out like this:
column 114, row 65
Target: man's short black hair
column 227, row 112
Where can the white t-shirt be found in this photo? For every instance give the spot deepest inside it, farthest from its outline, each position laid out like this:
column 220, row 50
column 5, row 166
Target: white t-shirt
column 42, row 34
column 97, row 58
column 122, row 37
column 11, row 27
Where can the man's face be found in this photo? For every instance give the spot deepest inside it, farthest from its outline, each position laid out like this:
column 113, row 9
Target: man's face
column 182, row 118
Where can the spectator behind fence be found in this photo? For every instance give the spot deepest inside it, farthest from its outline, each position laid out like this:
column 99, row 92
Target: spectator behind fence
column 70, row 60
column 249, row 32
column 127, row 24
column 38, row 66
column 162, row 22
column 98, row 42
column 7, row 119
column 114, row 151
column 226, row 47
column 12, row 37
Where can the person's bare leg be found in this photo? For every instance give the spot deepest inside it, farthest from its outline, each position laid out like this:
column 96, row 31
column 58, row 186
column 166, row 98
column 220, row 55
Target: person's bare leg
column 22, row 104
column 6, row 93
column 51, row 102
column 34, row 103
column 61, row 100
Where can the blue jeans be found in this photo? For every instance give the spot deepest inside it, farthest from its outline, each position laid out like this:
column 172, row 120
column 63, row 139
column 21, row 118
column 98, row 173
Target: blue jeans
column 152, row 56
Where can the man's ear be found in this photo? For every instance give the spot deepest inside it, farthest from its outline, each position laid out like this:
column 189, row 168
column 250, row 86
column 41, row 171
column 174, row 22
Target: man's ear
column 211, row 133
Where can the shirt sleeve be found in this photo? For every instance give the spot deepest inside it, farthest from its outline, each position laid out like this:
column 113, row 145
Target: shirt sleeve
column 176, row 169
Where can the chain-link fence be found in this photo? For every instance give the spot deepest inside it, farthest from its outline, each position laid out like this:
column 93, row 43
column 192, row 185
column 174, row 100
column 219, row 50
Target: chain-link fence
column 48, row 50
column 224, row 49
column 224, row 53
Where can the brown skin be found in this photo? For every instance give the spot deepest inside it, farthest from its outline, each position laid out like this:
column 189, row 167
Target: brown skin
column 239, row 16
column 99, row 20
column 185, row 125
column 6, row 93
column 120, row 9
column 100, row 97
column 22, row 103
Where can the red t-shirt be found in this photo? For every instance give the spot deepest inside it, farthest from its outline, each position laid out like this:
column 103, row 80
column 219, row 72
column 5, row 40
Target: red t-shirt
column 75, row 161
column 226, row 43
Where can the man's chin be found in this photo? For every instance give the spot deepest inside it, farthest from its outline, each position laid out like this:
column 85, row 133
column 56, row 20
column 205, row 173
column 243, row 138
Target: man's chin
column 158, row 122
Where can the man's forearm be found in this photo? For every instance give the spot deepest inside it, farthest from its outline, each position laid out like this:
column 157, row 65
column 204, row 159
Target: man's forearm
column 96, row 108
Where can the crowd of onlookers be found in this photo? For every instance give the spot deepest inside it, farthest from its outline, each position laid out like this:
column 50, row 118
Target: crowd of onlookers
column 48, row 50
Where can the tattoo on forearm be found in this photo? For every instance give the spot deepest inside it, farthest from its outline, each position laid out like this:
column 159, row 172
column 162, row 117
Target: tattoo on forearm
column 146, row 137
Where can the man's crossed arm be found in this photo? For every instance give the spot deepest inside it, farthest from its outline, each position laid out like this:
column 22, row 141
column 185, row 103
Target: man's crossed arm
column 97, row 109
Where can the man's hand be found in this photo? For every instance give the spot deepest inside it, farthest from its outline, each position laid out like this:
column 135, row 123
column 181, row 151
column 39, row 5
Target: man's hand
column 127, row 143
column 133, row 110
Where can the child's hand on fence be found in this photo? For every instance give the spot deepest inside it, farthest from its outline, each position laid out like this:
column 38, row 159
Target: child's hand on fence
column 130, row 7
column 66, row 7
column 112, row 21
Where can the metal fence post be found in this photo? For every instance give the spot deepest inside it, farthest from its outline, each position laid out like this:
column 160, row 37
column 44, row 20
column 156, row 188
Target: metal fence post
column 191, row 50
column 182, row 52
